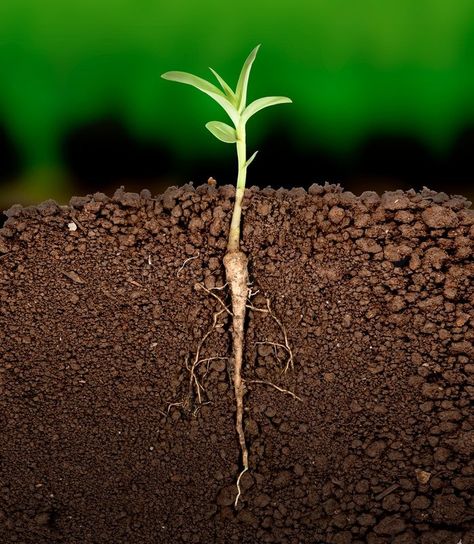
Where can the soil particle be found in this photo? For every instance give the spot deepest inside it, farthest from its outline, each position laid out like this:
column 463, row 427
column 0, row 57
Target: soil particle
column 262, row 500
column 396, row 253
column 336, row 215
column 439, row 217
column 391, row 503
column 445, row 537
column 3, row 246
column 395, row 200
column 226, row 496
column 435, row 257
column 420, row 502
column 98, row 441
column 390, row 525
column 368, row 245
column 448, row 508
column 376, row 448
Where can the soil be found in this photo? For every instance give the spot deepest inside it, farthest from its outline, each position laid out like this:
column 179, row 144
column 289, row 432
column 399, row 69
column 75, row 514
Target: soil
column 100, row 313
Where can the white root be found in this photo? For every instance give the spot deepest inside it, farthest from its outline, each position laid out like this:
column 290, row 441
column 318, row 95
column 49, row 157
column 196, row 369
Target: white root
column 236, row 267
column 209, row 292
column 193, row 381
column 185, row 263
column 239, row 491
column 289, row 363
column 286, row 346
column 196, row 388
column 271, row 384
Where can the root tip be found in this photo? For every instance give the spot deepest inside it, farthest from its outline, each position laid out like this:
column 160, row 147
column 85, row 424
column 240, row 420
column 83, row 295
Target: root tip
column 239, row 491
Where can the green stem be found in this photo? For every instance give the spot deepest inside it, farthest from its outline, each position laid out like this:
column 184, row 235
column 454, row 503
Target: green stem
column 233, row 244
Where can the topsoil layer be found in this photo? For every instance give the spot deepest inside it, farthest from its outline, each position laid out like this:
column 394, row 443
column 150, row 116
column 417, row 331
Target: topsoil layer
column 100, row 318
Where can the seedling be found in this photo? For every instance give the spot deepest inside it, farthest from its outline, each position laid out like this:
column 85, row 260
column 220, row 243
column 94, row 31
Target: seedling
column 235, row 261
column 235, row 105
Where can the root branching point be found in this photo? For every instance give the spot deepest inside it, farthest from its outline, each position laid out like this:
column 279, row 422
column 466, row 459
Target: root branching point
column 209, row 292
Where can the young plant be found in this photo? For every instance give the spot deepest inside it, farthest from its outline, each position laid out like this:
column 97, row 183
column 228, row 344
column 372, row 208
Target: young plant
column 235, row 261
column 235, row 105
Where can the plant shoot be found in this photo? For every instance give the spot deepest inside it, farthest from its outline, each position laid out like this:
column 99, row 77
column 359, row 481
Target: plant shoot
column 235, row 105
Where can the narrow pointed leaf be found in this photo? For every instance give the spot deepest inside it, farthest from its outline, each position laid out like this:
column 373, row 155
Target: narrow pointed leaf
column 261, row 103
column 190, row 79
column 222, row 132
column 251, row 159
column 242, row 84
column 228, row 91
column 206, row 87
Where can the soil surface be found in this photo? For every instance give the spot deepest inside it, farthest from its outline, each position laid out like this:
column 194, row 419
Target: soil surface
column 101, row 313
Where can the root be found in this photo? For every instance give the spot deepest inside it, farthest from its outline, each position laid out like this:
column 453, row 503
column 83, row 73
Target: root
column 209, row 292
column 173, row 404
column 186, row 262
column 196, row 389
column 264, row 382
column 286, row 346
column 194, row 384
column 236, row 267
column 196, row 410
column 275, row 346
column 239, row 491
column 290, row 362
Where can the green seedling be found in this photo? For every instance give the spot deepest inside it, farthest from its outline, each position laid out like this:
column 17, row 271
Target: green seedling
column 235, row 261
column 235, row 105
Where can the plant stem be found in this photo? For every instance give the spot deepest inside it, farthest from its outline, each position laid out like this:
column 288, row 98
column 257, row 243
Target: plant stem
column 233, row 244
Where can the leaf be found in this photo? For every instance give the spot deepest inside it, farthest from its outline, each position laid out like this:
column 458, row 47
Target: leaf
column 242, row 84
column 228, row 91
column 190, row 79
column 222, row 132
column 261, row 103
column 251, row 159
column 206, row 87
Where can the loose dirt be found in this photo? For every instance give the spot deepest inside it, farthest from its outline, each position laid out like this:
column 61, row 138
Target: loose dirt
column 100, row 315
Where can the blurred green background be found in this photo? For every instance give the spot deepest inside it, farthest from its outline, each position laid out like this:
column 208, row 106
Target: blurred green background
column 383, row 93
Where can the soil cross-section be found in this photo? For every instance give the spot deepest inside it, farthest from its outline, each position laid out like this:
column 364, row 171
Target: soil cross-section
column 104, row 302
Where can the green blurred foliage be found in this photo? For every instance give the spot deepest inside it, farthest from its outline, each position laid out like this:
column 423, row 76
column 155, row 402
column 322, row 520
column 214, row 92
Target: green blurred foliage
column 350, row 67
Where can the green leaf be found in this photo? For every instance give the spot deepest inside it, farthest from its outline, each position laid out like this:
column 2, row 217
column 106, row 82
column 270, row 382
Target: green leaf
column 242, row 84
column 222, row 132
column 251, row 159
column 261, row 103
column 228, row 91
column 190, row 79
column 206, row 87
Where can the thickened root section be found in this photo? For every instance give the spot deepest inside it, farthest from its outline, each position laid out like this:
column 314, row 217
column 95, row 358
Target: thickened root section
column 236, row 267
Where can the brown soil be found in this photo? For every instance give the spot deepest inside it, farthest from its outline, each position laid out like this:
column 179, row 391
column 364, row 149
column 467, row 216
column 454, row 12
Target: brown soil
column 97, row 324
